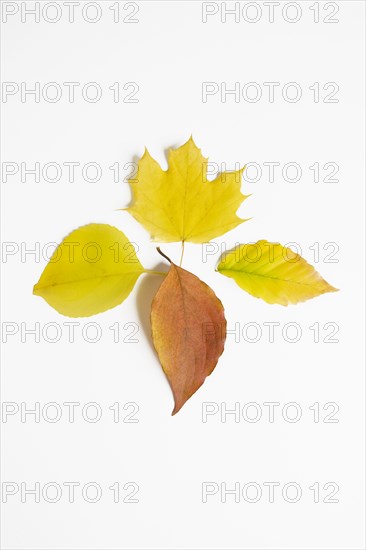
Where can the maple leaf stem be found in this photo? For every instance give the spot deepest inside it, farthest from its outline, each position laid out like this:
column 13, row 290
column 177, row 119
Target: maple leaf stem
column 181, row 256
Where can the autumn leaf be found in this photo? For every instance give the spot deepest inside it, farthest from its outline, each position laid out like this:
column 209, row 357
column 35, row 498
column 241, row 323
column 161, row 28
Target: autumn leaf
column 180, row 204
column 273, row 272
column 92, row 270
column 188, row 330
column 95, row 267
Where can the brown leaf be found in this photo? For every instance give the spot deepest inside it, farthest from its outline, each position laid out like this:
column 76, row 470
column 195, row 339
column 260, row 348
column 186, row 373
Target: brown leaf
column 188, row 330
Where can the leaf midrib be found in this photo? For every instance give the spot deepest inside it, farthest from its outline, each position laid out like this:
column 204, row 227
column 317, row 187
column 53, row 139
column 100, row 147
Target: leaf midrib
column 265, row 276
column 40, row 287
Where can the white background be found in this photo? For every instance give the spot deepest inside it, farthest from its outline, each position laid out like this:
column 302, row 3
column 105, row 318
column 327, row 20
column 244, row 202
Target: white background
column 169, row 53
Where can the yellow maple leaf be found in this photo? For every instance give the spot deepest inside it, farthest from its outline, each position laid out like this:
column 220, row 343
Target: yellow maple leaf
column 273, row 273
column 180, row 204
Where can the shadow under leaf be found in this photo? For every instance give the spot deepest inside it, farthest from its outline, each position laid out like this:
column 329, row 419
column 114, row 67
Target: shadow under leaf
column 146, row 291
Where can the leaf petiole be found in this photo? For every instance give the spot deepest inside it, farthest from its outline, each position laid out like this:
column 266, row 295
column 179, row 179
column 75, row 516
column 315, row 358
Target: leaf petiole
column 153, row 272
column 181, row 256
column 162, row 254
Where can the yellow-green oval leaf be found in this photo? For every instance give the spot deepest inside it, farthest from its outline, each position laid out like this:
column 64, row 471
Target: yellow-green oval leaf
column 273, row 273
column 92, row 270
